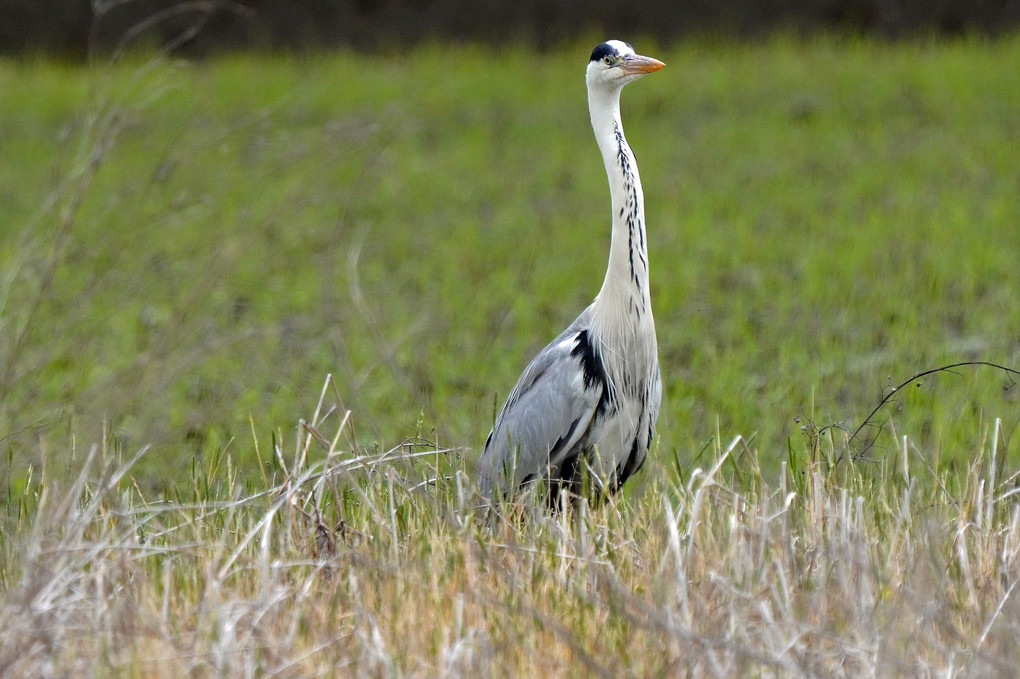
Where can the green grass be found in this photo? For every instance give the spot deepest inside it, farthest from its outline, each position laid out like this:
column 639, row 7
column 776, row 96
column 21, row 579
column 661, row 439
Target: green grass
column 188, row 249
column 823, row 218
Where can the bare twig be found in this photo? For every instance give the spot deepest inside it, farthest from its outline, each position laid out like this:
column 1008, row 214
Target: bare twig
column 1010, row 372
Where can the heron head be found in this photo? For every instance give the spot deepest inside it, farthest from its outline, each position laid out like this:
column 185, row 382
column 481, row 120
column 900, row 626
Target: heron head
column 614, row 63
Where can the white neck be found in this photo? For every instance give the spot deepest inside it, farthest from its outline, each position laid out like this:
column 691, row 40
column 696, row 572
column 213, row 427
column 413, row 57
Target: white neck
column 623, row 302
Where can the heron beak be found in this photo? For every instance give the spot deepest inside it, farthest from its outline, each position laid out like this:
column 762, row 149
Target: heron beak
column 639, row 65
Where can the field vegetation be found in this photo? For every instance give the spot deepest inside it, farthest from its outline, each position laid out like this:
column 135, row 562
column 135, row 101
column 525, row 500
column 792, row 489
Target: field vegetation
column 189, row 249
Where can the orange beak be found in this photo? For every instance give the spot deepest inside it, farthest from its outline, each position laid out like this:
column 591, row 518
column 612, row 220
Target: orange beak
column 638, row 64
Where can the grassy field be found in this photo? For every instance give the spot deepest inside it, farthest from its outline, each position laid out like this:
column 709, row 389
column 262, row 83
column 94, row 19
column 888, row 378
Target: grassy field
column 190, row 248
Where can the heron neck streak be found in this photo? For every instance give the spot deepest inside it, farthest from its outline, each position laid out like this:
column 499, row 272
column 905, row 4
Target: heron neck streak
column 623, row 304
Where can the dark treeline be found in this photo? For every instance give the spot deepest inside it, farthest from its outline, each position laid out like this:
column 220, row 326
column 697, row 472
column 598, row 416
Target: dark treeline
column 78, row 28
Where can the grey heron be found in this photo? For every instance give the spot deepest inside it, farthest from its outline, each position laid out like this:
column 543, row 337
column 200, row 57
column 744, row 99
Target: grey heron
column 586, row 405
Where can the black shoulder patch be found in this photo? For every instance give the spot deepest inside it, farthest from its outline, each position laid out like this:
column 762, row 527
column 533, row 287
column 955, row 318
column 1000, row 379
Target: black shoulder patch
column 591, row 365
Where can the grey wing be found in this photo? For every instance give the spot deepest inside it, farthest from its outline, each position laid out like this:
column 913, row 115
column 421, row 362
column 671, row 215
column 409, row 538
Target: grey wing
column 546, row 418
column 654, row 402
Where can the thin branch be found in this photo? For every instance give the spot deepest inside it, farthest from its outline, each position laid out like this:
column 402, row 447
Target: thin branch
column 1010, row 372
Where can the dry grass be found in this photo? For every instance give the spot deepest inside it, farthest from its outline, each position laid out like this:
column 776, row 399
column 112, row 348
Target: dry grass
column 379, row 564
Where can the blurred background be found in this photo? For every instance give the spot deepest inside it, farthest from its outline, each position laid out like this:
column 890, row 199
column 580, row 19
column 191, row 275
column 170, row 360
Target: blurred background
column 76, row 28
column 208, row 206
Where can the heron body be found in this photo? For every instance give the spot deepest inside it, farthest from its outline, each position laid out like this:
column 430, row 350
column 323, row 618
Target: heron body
column 586, row 405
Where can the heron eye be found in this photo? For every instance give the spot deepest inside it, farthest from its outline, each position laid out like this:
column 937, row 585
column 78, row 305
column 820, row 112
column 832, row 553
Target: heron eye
column 608, row 59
